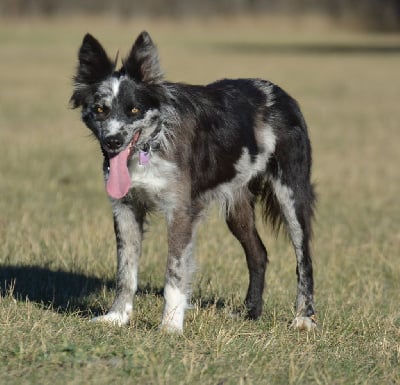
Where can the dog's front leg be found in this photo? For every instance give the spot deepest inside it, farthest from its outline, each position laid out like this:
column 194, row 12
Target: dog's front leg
column 180, row 266
column 128, row 226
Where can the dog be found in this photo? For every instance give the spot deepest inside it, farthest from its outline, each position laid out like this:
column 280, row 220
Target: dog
column 176, row 147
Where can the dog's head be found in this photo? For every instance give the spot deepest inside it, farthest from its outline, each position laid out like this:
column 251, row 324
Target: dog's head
column 120, row 106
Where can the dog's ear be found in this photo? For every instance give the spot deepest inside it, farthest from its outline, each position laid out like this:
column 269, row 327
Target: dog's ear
column 94, row 66
column 142, row 64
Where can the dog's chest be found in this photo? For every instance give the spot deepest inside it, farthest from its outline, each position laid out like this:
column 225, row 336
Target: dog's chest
column 156, row 180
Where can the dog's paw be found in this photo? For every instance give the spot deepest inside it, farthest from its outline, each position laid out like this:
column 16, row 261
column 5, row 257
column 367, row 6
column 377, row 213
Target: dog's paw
column 112, row 318
column 304, row 323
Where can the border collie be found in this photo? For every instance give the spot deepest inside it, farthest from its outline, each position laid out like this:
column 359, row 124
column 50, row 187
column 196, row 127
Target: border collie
column 176, row 147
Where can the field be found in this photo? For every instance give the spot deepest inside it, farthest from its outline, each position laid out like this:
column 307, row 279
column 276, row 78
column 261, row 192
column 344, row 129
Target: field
column 57, row 252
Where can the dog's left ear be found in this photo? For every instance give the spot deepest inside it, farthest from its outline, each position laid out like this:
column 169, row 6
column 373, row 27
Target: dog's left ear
column 142, row 64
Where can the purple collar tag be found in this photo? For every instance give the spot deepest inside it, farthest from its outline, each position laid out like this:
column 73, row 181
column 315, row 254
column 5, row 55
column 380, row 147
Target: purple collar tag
column 144, row 158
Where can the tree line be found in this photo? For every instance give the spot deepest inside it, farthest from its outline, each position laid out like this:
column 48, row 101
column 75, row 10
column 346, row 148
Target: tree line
column 382, row 15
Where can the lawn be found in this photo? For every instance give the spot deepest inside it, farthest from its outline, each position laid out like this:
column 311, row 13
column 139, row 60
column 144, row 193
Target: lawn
column 57, row 252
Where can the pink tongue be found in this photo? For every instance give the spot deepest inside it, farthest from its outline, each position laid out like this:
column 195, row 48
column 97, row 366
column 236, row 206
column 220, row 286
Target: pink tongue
column 119, row 180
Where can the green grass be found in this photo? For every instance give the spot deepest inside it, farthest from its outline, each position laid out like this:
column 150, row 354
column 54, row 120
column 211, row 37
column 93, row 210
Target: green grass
column 57, row 258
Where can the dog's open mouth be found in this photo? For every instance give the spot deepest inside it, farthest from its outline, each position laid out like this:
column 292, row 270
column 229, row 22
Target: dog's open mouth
column 119, row 180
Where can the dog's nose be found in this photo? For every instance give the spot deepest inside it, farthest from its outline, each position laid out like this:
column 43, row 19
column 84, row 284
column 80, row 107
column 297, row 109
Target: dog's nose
column 114, row 142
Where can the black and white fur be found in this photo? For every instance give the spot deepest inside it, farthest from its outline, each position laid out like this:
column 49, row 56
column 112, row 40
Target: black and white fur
column 233, row 141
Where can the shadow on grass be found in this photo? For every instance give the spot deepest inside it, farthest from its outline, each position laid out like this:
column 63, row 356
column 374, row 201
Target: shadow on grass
column 64, row 291
column 68, row 292
column 208, row 302
column 307, row 48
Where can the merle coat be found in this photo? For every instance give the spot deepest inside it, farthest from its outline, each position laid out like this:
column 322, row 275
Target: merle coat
column 175, row 148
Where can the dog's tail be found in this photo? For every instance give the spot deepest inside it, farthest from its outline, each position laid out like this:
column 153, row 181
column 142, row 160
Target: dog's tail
column 271, row 209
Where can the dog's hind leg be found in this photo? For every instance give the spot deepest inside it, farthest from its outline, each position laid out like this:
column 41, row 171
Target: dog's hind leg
column 128, row 226
column 241, row 222
column 296, row 207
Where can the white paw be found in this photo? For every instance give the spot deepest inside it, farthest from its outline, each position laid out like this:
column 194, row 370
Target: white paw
column 174, row 310
column 113, row 318
column 304, row 323
column 172, row 320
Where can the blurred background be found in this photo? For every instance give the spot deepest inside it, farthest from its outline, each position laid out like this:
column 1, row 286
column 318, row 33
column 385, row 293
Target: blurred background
column 340, row 59
column 380, row 15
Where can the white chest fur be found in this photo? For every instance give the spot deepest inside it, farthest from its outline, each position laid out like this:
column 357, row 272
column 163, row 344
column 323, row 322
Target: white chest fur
column 156, row 180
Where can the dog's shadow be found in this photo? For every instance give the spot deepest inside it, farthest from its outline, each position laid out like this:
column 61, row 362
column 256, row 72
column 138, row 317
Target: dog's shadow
column 63, row 291
column 70, row 292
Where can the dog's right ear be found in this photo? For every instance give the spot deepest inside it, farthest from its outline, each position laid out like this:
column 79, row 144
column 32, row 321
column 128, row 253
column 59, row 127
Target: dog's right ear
column 94, row 66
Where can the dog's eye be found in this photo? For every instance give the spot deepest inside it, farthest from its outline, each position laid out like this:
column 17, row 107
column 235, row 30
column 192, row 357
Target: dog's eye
column 101, row 110
column 134, row 110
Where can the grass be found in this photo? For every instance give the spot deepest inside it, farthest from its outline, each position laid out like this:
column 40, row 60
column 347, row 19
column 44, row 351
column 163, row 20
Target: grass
column 57, row 259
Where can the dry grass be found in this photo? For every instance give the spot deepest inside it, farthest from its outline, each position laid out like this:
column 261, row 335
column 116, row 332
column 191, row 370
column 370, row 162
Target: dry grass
column 57, row 255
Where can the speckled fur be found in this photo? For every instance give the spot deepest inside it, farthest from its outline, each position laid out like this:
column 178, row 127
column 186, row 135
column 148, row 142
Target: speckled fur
column 235, row 142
